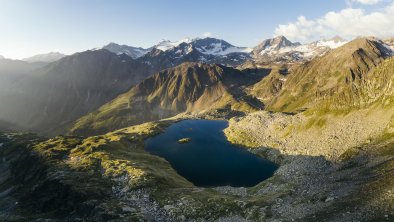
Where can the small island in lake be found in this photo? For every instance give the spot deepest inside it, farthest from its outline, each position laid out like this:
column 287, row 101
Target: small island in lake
column 184, row 140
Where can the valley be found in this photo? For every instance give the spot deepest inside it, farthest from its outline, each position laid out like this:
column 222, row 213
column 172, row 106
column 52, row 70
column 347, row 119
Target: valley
column 86, row 150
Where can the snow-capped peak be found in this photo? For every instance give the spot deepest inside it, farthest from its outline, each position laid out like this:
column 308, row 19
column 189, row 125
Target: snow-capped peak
column 212, row 46
column 332, row 43
column 165, row 45
column 283, row 50
column 274, row 45
column 133, row 52
column 208, row 46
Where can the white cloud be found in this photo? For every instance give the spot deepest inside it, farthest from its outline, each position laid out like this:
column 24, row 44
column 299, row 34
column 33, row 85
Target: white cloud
column 207, row 34
column 348, row 23
column 366, row 2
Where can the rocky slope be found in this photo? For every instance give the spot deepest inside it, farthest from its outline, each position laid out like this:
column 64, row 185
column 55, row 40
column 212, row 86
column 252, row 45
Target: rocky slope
column 190, row 87
column 341, row 72
column 111, row 178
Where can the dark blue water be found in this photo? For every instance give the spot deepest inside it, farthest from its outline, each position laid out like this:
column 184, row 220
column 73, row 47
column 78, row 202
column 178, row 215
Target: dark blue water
column 209, row 159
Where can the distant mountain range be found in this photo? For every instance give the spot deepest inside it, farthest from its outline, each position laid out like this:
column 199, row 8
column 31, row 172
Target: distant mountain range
column 210, row 50
column 48, row 57
column 167, row 53
column 60, row 92
column 194, row 87
column 281, row 50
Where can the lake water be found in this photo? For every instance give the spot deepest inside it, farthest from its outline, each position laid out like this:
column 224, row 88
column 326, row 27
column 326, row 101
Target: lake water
column 209, row 159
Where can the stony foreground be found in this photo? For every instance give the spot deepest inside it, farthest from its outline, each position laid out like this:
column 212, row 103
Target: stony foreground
column 111, row 177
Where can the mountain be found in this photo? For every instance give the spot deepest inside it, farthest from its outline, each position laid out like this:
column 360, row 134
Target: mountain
column 168, row 54
column 212, row 46
column 390, row 43
column 133, row 52
column 269, row 46
column 2, row 57
column 69, row 88
column 328, row 124
column 165, row 45
column 280, row 50
column 48, row 57
column 340, row 72
column 189, row 87
column 10, row 67
column 11, row 71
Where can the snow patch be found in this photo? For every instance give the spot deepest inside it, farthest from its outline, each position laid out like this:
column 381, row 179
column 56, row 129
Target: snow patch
column 219, row 49
column 331, row 43
column 166, row 45
column 390, row 49
column 310, row 50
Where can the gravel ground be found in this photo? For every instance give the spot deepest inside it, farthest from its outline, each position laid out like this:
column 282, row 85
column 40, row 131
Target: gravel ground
column 290, row 135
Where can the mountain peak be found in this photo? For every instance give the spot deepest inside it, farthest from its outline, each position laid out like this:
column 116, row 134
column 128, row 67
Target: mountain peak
column 275, row 43
column 165, row 45
column 280, row 38
column 47, row 57
column 133, row 52
column 282, row 41
column 336, row 39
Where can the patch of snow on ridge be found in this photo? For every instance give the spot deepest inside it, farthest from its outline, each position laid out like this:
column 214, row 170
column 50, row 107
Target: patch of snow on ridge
column 390, row 49
column 167, row 44
column 219, row 49
column 331, row 43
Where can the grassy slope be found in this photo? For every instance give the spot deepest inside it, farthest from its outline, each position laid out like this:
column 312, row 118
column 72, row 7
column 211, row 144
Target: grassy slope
column 97, row 178
column 189, row 87
column 332, row 125
column 107, row 177
column 341, row 70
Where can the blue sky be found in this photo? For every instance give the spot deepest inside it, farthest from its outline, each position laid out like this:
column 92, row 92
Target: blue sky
column 39, row 26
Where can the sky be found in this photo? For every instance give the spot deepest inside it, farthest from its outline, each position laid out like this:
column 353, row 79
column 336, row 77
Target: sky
column 29, row 27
